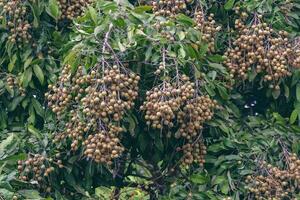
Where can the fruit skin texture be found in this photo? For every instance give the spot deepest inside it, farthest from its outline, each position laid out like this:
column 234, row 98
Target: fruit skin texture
column 72, row 9
column 259, row 48
column 16, row 14
column 276, row 183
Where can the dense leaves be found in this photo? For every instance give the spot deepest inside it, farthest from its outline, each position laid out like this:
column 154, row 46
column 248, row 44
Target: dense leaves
column 148, row 100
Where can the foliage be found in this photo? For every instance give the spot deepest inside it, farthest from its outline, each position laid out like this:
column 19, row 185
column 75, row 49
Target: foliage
column 48, row 81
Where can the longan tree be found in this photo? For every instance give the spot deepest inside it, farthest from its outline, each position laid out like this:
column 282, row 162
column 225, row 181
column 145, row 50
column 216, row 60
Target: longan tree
column 162, row 99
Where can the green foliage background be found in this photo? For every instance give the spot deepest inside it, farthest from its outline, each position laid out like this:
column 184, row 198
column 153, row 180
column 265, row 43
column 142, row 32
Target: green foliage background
column 240, row 134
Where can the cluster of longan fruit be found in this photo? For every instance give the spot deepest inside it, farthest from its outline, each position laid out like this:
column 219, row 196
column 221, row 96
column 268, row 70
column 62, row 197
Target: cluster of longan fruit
column 260, row 49
column 108, row 97
column 71, row 9
column 163, row 103
column 193, row 152
column 35, row 168
column 59, row 95
column 275, row 183
column 177, row 106
column 98, row 98
column 12, row 83
column 208, row 28
column 75, row 129
column 194, row 114
column 104, row 146
column 169, row 8
column 15, row 14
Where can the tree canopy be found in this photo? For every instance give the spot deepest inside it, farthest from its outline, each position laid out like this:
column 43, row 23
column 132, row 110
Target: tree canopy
column 162, row 99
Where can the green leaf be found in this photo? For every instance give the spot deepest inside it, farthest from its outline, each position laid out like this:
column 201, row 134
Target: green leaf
column 34, row 131
column 5, row 143
column 141, row 9
column 26, row 78
column 142, row 142
column 37, row 107
column 53, row 9
column 286, row 91
column 199, row 179
column 15, row 102
column 218, row 66
column 185, row 20
column 218, row 180
column 93, row 14
column 103, row 192
column 36, row 13
column 294, row 116
column 181, row 35
column 225, row 188
column 159, row 144
column 246, row 172
column 229, row 4
column 6, row 194
column 298, row 92
column 223, row 93
column 215, row 58
column 209, row 89
column 279, row 118
column 13, row 159
column 30, row 194
column 39, row 73
column 12, row 63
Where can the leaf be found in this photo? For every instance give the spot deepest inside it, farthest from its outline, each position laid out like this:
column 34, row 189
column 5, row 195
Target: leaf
column 185, row 20
column 218, row 66
column 141, row 9
column 5, row 143
column 181, row 52
column 12, row 63
column 159, row 144
column 31, row 118
column 36, row 13
column 225, row 188
column 218, row 180
column 286, row 91
column 203, row 50
column 190, row 51
column 246, row 172
column 6, row 194
column 148, row 53
column 298, row 92
column 199, row 179
column 215, row 58
column 181, row 35
column 34, row 131
column 30, row 194
column 13, row 159
column 229, row 4
column 39, row 73
column 279, row 118
column 93, row 14
column 103, row 192
column 142, row 142
column 37, row 107
column 108, row 7
column 294, row 116
column 26, row 78
column 209, row 90
column 223, row 93
column 53, row 9
column 15, row 102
